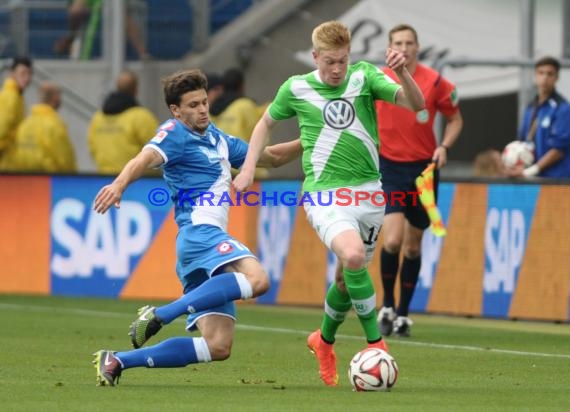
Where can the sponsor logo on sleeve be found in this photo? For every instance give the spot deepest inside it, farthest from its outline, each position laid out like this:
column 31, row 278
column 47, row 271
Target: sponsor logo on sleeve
column 454, row 97
column 169, row 125
column 159, row 137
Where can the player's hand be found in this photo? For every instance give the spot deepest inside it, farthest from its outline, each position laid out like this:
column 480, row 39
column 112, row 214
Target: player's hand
column 243, row 181
column 439, row 157
column 514, row 171
column 395, row 60
column 108, row 196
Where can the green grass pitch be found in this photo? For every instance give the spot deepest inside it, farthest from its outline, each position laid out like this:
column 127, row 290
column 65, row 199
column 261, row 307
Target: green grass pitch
column 449, row 364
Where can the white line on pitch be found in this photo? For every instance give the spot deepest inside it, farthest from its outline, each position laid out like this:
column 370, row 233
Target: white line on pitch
column 89, row 312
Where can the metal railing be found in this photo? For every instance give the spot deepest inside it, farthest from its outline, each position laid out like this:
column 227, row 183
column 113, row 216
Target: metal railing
column 19, row 19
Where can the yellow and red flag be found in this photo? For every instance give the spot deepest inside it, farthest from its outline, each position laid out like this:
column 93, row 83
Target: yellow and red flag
column 424, row 184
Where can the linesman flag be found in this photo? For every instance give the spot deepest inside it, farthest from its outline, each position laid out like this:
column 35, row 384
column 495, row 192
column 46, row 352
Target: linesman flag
column 424, row 184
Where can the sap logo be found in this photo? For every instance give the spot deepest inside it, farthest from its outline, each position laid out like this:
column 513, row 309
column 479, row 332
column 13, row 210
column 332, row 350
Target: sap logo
column 104, row 245
column 431, row 250
column 273, row 234
column 504, row 247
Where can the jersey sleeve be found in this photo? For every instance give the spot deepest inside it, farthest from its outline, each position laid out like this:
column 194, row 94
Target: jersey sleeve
column 560, row 131
column 166, row 143
column 281, row 108
column 382, row 86
column 447, row 100
column 237, row 149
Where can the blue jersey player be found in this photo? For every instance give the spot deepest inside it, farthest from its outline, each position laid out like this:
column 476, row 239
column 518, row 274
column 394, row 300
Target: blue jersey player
column 214, row 268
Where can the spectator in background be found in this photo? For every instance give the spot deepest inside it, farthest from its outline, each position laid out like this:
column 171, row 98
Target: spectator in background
column 42, row 141
column 546, row 124
column 79, row 14
column 121, row 128
column 488, row 163
column 236, row 114
column 12, row 107
column 407, row 145
column 215, row 87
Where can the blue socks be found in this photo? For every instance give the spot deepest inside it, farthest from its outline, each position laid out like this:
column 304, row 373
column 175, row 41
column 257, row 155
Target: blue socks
column 171, row 353
column 216, row 291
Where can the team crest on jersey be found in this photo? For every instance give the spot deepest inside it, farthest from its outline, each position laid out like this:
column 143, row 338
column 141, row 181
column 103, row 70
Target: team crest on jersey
column 357, row 82
column 159, row 137
column 224, row 248
column 422, row 116
column 339, row 113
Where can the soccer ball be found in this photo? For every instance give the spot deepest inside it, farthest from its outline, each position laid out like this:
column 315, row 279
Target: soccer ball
column 518, row 153
column 372, row 370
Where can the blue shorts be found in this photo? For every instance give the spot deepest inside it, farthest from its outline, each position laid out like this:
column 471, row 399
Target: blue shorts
column 398, row 180
column 202, row 251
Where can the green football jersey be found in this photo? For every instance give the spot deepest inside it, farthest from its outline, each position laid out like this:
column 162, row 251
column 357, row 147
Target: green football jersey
column 339, row 133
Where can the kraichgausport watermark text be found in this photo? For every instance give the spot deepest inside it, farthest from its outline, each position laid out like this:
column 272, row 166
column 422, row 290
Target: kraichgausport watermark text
column 337, row 197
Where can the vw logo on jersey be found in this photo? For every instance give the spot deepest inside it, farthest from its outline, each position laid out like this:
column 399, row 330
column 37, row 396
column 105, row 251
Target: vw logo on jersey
column 339, row 113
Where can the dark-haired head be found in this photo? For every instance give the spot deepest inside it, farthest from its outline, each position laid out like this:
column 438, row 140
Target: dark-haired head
column 182, row 82
column 21, row 60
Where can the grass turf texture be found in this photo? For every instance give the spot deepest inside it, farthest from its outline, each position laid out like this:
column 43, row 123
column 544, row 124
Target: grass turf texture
column 448, row 364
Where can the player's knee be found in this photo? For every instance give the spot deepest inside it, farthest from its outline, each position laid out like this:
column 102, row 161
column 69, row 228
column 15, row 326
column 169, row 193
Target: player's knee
column 220, row 350
column 412, row 248
column 412, row 252
column 354, row 259
column 392, row 245
column 259, row 281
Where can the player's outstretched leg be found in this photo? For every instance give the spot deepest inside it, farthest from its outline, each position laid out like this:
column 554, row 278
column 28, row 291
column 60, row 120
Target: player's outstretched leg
column 146, row 325
column 108, row 368
column 325, row 356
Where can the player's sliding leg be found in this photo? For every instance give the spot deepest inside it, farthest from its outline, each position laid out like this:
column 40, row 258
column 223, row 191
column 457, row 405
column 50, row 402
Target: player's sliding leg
column 217, row 328
column 171, row 353
column 216, row 291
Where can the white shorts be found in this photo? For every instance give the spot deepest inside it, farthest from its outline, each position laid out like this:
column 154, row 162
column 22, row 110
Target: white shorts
column 346, row 208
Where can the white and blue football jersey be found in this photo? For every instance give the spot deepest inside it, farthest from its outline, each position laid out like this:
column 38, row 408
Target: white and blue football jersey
column 197, row 170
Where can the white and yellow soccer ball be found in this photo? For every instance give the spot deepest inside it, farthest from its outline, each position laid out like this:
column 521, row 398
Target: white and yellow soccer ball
column 372, row 369
column 518, row 153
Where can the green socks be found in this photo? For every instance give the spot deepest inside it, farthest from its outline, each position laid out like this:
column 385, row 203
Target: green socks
column 337, row 305
column 361, row 291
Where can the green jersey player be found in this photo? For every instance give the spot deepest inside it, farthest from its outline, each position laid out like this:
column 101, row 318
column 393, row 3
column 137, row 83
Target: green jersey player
column 335, row 109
